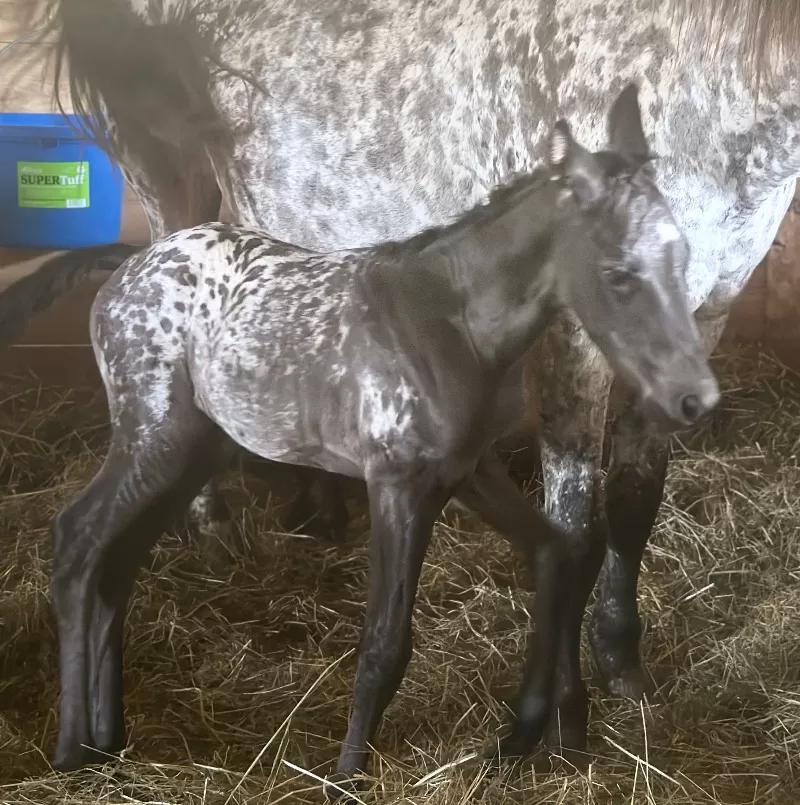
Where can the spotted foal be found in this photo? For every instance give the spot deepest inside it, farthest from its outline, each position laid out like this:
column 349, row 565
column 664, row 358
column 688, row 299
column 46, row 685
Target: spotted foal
column 400, row 364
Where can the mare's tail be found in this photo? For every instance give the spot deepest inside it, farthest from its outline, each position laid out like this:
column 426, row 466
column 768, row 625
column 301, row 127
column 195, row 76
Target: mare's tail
column 55, row 277
column 143, row 89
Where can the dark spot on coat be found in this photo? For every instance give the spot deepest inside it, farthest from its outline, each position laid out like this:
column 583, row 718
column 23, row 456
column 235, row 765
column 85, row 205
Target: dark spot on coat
column 180, row 307
column 173, row 256
column 166, row 325
column 226, row 236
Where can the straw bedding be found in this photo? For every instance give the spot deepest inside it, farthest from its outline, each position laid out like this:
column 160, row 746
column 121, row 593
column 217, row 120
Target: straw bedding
column 238, row 668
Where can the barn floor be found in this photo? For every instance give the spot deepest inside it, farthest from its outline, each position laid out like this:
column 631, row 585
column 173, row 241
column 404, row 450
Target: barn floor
column 238, row 675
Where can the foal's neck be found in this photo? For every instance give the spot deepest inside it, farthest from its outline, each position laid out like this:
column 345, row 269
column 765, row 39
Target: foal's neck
column 503, row 269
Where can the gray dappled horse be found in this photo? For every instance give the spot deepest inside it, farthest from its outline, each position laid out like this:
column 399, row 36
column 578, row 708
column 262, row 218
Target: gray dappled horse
column 342, row 123
column 399, row 364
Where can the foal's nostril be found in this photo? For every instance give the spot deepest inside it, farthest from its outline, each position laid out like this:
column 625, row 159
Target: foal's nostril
column 691, row 408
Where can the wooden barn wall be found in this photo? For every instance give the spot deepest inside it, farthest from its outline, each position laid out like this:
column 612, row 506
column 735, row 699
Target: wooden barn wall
column 768, row 310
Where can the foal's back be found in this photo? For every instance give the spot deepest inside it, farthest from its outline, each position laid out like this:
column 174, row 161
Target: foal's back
column 267, row 339
column 214, row 284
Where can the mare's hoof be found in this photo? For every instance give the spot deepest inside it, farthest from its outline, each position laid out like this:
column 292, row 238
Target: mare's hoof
column 217, row 540
column 339, row 786
column 324, row 529
column 223, row 544
column 78, row 756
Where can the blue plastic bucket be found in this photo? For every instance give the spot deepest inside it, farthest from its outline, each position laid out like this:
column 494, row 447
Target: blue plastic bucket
column 58, row 190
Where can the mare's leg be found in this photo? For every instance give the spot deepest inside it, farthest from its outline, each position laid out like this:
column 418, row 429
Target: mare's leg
column 573, row 382
column 635, row 487
column 403, row 510
column 319, row 509
column 497, row 500
column 100, row 539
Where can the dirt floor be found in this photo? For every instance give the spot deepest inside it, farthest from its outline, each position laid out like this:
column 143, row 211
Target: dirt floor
column 238, row 673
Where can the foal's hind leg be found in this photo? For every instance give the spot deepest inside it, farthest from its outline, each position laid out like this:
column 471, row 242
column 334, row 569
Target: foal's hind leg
column 194, row 198
column 99, row 542
column 635, row 488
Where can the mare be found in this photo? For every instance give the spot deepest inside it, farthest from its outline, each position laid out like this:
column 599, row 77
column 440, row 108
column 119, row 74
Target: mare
column 345, row 123
column 399, row 364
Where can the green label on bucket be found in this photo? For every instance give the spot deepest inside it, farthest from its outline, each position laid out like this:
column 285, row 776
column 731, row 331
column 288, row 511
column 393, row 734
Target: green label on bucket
column 54, row 185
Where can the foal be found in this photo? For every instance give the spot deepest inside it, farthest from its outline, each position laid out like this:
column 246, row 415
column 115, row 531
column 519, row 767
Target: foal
column 399, row 364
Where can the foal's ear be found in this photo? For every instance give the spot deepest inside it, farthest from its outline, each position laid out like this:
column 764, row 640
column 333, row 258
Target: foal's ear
column 625, row 131
column 575, row 166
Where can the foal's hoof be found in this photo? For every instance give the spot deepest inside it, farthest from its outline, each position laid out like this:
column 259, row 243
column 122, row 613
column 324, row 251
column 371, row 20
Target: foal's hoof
column 542, row 759
column 631, row 682
column 565, row 751
column 510, row 751
column 341, row 786
column 78, row 756
column 618, row 670
column 518, row 749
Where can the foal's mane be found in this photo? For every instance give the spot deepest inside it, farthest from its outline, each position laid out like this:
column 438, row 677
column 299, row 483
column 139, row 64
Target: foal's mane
column 506, row 196
column 769, row 30
column 500, row 200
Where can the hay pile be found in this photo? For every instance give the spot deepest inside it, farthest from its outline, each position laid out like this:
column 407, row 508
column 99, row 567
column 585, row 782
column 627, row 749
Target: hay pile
column 238, row 676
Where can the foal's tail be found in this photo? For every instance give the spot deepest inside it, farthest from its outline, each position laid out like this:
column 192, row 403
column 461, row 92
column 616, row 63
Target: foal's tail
column 55, row 277
column 142, row 87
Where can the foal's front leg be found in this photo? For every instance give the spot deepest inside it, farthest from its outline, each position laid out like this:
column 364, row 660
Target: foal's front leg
column 403, row 510
column 495, row 498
